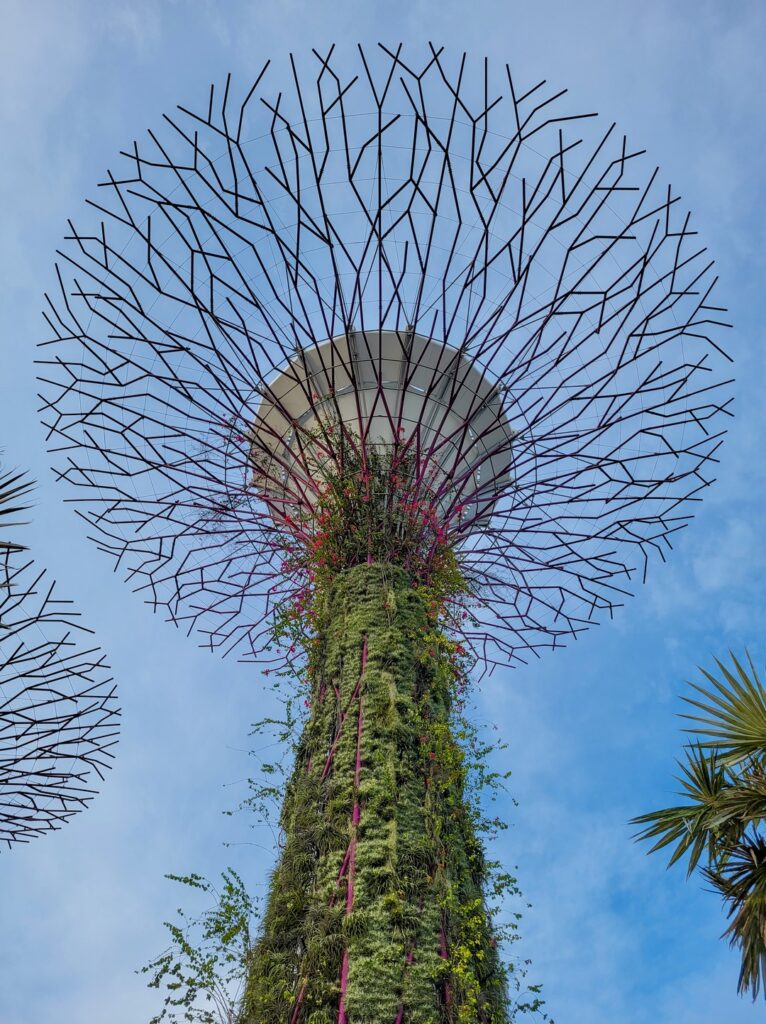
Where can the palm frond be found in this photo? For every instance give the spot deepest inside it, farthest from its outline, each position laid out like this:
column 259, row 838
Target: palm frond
column 731, row 712
column 725, row 781
column 742, row 883
column 691, row 827
column 742, row 804
column 14, row 488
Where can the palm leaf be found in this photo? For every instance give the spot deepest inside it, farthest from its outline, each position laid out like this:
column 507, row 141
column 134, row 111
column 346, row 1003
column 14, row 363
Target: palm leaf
column 731, row 712
column 743, row 803
column 742, row 882
column 692, row 827
column 724, row 780
column 14, row 487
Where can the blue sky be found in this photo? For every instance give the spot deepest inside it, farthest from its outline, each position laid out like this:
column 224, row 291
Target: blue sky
column 591, row 729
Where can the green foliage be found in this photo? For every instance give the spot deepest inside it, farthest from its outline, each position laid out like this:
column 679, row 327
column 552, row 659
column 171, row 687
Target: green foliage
column 364, row 513
column 14, row 489
column 720, row 826
column 730, row 714
column 382, row 902
column 206, row 962
column 421, row 931
column 692, row 828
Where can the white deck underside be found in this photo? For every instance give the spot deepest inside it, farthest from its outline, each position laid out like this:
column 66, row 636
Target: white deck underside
column 382, row 384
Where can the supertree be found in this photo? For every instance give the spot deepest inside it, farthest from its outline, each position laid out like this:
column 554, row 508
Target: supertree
column 386, row 374
column 58, row 706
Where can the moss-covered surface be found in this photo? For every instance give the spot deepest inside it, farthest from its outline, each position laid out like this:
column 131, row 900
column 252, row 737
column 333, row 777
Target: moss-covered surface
column 376, row 912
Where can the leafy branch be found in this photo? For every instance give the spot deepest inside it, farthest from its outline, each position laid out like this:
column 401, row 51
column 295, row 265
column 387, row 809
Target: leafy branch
column 203, row 970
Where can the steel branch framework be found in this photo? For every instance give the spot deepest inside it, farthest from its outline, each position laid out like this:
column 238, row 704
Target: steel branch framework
column 58, row 706
column 418, row 199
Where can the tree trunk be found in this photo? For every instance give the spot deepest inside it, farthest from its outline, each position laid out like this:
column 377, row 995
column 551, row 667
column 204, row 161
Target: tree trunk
column 376, row 912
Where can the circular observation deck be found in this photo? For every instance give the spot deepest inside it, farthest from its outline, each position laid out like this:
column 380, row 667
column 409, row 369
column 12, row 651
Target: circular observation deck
column 383, row 386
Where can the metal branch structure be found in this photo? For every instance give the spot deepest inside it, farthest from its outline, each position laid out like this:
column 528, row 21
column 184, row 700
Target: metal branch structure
column 58, row 705
column 419, row 265
column 419, row 200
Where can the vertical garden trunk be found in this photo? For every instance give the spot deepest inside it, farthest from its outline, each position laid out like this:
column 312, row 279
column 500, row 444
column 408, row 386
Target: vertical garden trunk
column 376, row 912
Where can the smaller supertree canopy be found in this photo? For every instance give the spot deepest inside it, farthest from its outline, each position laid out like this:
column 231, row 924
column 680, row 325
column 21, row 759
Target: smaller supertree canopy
column 58, row 706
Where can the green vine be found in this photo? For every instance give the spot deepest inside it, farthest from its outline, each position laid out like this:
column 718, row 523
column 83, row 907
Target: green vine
column 382, row 907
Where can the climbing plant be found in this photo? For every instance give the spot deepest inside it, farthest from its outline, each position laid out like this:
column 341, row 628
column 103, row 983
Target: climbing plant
column 202, row 972
column 383, row 907
column 378, row 907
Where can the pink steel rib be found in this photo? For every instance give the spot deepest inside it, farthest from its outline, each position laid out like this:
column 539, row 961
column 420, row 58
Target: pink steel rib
column 355, row 817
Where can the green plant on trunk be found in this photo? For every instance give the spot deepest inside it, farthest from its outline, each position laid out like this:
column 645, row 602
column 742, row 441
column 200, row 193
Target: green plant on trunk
column 380, row 907
column 203, row 971
column 377, row 907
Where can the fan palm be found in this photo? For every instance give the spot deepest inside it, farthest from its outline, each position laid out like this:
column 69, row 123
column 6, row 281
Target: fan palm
column 14, row 488
column 723, row 779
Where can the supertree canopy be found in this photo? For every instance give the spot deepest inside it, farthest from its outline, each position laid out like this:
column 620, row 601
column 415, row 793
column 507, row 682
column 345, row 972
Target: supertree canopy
column 58, row 707
column 388, row 371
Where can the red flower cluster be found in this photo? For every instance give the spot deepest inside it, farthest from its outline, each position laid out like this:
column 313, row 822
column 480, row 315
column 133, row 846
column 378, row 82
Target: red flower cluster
column 377, row 509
